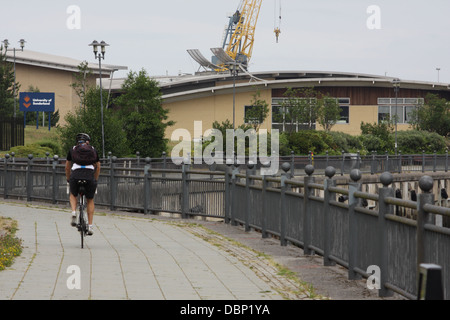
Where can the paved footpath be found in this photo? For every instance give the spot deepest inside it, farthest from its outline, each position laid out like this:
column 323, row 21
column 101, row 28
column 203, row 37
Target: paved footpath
column 136, row 257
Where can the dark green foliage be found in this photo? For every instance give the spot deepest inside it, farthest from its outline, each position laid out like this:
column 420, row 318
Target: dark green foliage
column 319, row 142
column 411, row 142
column 378, row 137
column 433, row 116
column 7, row 86
column 144, row 118
column 346, row 142
column 88, row 120
column 35, row 149
column 303, row 142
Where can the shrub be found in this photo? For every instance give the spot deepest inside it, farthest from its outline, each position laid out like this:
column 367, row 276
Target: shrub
column 415, row 141
column 346, row 142
column 284, row 144
column 303, row 142
column 35, row 149
column 53, row 145
column 373, row 143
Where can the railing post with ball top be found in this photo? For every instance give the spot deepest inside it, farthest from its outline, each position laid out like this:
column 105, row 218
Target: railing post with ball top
column 328, row 196
column 382, row 243
column 283, row 214
column 309, row 169
column 423, row 217
column 353, row 202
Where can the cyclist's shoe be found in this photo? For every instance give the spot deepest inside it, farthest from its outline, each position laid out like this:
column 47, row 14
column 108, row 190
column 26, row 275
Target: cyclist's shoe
column 73, row 223
column 90, row 231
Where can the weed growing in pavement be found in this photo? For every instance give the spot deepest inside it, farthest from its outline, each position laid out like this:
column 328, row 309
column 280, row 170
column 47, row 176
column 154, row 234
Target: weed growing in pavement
column 10, row 246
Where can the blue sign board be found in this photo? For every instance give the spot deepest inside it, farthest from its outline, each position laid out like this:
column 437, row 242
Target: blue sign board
column 37, row 102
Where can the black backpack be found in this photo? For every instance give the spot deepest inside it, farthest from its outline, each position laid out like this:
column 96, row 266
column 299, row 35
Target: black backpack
column 84, row 155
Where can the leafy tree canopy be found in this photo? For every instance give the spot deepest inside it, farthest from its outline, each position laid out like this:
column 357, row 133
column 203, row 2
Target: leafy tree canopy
column 144, row 118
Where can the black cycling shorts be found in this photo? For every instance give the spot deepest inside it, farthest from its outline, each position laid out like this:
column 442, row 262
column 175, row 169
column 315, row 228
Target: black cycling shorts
column 90, row 187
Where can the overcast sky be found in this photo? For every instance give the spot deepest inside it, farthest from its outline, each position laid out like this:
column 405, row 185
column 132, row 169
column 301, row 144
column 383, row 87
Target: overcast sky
column 408, row 39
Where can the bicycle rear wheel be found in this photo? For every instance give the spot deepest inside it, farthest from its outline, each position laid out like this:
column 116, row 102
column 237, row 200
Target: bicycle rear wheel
column 82, row 227
column 83, row 221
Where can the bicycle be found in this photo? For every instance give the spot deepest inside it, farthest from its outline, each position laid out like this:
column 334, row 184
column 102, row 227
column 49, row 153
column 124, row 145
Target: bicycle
column 82, row 224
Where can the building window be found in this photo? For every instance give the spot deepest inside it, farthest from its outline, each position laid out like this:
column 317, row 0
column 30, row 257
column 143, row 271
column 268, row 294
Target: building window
column 282, row 122
column 401, row 109
column 344, row 103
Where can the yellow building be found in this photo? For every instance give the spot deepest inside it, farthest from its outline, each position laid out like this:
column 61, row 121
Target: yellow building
column 209, row 97
column 212, row 96
column 51, row 73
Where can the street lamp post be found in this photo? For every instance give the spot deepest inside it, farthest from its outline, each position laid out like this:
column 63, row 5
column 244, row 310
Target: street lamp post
column 234, row 69
column 396, row 83
column 6, row 45
column 100, row 56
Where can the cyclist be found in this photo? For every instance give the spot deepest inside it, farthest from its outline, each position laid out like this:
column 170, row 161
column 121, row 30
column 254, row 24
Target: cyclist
column 87, row 172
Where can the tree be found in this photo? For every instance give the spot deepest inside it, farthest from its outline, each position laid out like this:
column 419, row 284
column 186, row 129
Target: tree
column 257, row 113
column 300, row 107
column 80, row 85
column 329, row 112
column 433, row 115
column 7, row 86
column 378, row 136
column 144, row 118
column 291, row 108
column 88, row 120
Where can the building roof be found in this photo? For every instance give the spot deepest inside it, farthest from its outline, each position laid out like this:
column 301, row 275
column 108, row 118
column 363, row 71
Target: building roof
column 45, row 60
column 185, row 87
column 204, row 84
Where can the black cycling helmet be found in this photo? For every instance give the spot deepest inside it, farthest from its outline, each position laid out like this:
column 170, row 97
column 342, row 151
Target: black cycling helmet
column 83, row 137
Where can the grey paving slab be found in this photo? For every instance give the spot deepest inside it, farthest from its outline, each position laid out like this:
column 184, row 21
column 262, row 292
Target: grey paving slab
column 127, row 258
column 137, row 257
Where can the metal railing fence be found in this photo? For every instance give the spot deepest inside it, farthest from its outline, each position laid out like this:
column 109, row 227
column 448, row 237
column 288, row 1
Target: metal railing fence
column 12, row 133
column 314, row 212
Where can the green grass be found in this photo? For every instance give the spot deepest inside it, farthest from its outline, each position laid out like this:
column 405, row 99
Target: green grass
column 35, row 136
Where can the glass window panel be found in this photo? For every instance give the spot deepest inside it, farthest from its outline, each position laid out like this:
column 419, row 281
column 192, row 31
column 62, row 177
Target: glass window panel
column 397, row 114
column 384, row 113
column 277, row 114
column 408, row 113
column 277, row 101
column 291, row 127
column 411, row 100
column 277, row 126
column 399, row 101
column 344, row 114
